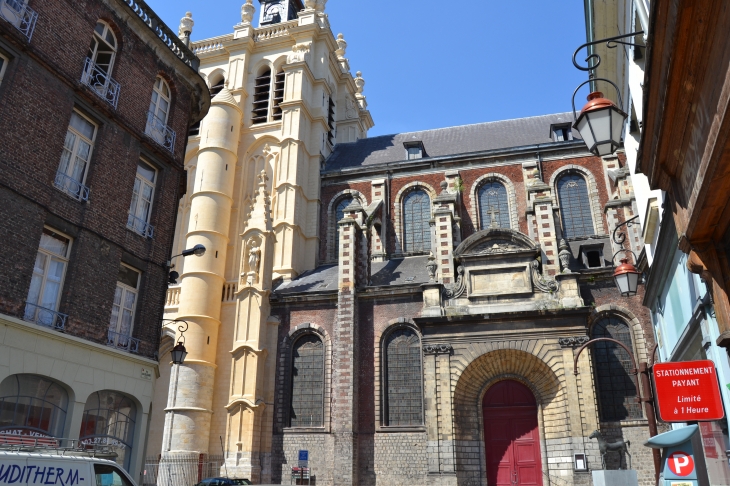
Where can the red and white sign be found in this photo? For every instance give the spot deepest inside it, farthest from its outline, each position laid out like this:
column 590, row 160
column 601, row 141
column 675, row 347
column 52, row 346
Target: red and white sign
column 688, row 391
column 681, row 463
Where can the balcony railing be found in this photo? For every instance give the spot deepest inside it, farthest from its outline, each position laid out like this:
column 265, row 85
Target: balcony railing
column 160, row 133
column 140, row 226
column 20, row 15
column 44, row 317
column 102, row 84
column 122, row 341
column 71, row 186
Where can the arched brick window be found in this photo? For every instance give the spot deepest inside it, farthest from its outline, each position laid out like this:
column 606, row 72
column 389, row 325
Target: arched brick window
column 339, row 214
column 615, row 385
column 402, row 379
column 493, row 205
column 307, row 377
column 575, row 207
column 416, row 217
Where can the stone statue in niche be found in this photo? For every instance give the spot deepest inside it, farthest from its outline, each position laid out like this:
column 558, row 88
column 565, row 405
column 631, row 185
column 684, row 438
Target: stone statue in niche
column 254, row 258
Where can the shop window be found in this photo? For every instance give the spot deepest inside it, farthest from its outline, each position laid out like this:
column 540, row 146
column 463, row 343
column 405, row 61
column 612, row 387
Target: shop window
column 32, row 405
column 109, row 419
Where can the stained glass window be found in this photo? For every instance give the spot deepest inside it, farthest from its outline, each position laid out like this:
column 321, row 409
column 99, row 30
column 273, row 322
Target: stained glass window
column 615, row 385
column 493, row 206
column 416, row 216
column 575, row 207
column 404, row 403
column 339, row 214
column 307, row 375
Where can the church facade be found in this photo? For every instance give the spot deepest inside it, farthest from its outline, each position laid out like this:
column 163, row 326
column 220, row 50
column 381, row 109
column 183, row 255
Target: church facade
column 407, row 308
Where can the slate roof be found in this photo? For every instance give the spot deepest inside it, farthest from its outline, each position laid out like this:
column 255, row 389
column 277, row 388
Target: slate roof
column 463, row 139
column 401, row 271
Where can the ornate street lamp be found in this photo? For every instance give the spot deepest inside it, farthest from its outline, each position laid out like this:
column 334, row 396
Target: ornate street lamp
column 600, row 122
column 179, row 352
column 625, row 275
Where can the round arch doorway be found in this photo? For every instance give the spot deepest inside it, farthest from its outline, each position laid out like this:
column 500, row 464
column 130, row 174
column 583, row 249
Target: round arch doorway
column 511, row 438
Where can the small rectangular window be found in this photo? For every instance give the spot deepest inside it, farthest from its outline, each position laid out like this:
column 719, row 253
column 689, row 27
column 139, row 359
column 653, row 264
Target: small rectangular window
column 592, row 256
column 414, row 153
column 140, row 209
column 49, row 271
column 562, row 133
column 123, row 308
column 75, row 158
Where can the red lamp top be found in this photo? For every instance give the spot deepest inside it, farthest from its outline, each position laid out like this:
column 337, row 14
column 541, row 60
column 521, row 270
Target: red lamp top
column 596, row 101
column 625, row 267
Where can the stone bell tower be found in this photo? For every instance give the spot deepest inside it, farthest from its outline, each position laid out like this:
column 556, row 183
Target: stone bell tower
column 253, row 200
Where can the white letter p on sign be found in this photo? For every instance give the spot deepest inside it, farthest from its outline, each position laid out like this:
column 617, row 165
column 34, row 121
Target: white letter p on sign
column 680, row 461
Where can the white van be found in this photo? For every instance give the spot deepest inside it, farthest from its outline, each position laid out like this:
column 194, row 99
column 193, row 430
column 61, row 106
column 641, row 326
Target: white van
column 60, row 468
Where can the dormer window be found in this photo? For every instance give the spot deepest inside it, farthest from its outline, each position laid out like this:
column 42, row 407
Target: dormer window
column 562, row 133
column 592, row 256
column 414, row 150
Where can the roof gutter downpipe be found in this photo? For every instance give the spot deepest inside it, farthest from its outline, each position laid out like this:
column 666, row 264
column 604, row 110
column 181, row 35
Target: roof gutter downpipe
column 643, row 17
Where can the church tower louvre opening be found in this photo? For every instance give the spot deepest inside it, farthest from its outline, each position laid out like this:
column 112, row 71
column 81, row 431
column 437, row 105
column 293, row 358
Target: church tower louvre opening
column 384, row 303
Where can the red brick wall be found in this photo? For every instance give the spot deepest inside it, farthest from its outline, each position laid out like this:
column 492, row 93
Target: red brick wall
column 328, row 193
column 37, row 96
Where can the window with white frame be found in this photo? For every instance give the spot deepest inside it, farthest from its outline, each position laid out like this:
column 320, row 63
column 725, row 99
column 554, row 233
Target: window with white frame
column 142, row 197
column 125, row 303
column 45, row 286
column 159, row 112
column 103, row 48
column 77, row 148
column 3, row 66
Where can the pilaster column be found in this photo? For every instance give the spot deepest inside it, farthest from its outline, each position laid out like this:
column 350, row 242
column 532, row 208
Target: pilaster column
column 441, row 457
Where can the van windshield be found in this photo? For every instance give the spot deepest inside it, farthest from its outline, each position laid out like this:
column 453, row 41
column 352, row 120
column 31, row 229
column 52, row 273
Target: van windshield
column 107, row 475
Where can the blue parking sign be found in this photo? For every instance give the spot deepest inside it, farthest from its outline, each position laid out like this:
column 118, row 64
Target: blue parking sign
column 303, row 455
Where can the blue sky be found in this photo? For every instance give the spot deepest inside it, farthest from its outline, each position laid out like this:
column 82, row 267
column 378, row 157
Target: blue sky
column 435, row 63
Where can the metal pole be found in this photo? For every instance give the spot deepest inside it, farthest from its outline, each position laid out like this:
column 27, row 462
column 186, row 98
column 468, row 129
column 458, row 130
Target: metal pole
column 647, row 398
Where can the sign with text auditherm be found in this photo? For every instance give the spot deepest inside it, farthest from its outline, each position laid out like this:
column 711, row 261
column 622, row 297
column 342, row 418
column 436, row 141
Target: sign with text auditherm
column 688, row 391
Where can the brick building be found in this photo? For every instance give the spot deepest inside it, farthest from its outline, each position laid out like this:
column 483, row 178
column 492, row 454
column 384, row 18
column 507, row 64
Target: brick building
column 408, row 307
column 92, row 96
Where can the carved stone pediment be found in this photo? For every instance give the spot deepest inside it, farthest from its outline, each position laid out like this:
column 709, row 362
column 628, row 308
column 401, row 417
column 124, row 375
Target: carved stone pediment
column 495, row 241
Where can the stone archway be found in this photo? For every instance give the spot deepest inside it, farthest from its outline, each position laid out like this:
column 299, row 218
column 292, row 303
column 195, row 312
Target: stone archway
column 543, row 380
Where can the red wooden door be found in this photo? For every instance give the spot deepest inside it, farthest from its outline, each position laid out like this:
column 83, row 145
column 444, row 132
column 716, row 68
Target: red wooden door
column 512, row 442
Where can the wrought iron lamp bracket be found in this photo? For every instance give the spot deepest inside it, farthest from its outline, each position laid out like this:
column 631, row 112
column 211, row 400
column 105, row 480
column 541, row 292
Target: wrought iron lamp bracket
column 181, row 328
column 619, row 238
column 611, row 43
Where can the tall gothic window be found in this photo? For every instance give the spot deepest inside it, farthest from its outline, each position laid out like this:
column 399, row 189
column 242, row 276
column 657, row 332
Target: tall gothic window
column 416, row 216
column 614, row 383
column 493, row 206
column 575, row 207
column 261, row 95
column 307, row 376
column 402, row 380
column 339, row 214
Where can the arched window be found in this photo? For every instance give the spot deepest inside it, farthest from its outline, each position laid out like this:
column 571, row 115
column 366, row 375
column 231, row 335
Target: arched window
column 261, row 95
column 158, row 114
column 493, row 206
column 575, row 207
column 402, row 379
column 416, row 217
column 32, row 404
column 103, row 48
column 278, row 94
column 339, row 214
column 307, row 376
column 614, row 384
column 217, row 87
column 109, row 418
